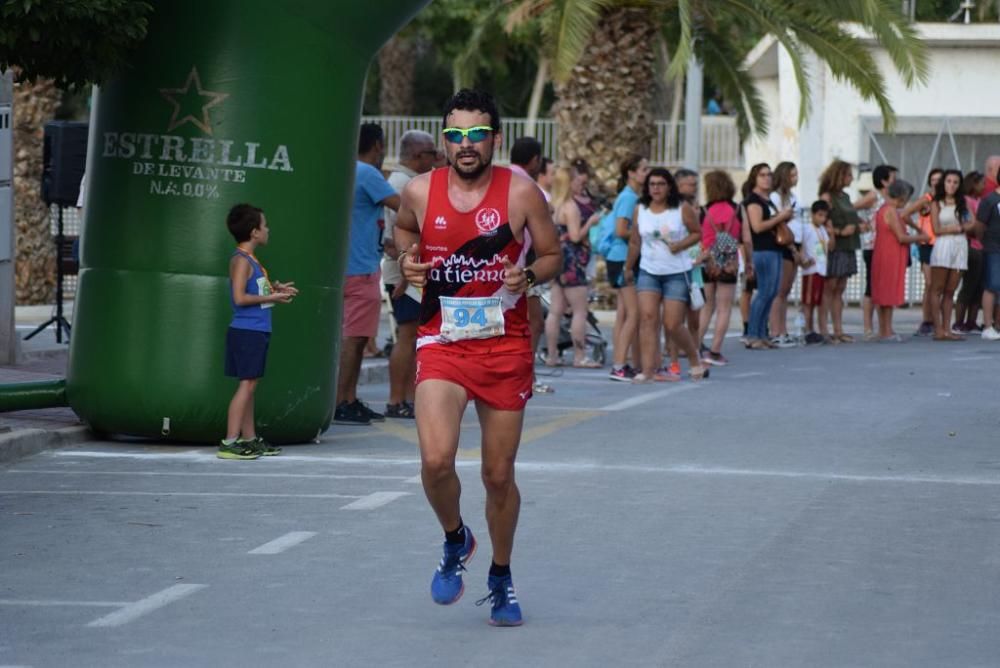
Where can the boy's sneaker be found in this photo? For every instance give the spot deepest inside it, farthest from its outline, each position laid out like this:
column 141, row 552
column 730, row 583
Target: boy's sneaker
column 237, row 450
column 812, row 338
column 447, row 586
column 991, row 334
column 675, row 369
column 504, row 608
column 925, row 329
column 782, row 342
column 263, row 447
column 373, row 416
column 346, row 413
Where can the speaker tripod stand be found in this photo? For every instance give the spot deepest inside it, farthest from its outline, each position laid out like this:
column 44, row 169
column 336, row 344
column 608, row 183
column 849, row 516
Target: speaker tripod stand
column 58, row 319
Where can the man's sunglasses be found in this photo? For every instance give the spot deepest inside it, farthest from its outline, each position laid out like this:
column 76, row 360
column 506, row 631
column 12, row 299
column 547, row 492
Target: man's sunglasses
column 475, row 135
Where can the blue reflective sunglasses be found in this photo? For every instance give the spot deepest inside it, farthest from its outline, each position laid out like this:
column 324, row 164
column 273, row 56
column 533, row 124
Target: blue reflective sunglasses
column 475, row 135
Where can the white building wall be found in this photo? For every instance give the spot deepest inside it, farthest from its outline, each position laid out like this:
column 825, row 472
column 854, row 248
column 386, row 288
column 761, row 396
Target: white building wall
column 964, row 63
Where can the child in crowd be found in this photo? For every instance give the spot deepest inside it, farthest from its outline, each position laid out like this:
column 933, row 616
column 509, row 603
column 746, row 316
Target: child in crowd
column 252, row 295
column 816, row 242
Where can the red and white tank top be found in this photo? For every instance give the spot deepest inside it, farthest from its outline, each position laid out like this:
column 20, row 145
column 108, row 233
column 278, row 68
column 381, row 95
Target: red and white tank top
column 466, row 251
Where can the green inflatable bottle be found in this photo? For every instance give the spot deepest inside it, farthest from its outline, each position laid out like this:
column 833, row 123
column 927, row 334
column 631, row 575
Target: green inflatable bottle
column 227, row 101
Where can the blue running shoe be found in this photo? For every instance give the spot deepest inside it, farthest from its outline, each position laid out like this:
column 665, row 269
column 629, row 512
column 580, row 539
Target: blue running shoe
column 505, row 610
column 447, row 586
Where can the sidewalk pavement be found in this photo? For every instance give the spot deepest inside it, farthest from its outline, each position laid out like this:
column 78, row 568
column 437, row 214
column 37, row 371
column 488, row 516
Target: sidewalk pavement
column 43, row 358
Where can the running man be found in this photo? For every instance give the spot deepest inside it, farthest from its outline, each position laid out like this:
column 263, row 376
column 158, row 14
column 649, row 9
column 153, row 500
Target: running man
column 463, row 228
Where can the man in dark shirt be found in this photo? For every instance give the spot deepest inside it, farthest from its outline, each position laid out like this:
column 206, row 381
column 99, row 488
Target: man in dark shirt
column 988, row 214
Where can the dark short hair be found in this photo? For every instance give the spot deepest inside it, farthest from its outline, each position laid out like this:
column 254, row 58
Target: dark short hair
column 242, row 220
column 371, row 134
column 524, row 150
column 881, row 174
column 685, row 173
column 820, row 205
column 673, row 199
column 468, row 99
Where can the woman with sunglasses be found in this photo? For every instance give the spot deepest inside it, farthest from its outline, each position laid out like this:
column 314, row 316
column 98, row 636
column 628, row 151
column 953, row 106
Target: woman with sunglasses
column 574, row 220
column 763, row 218
column 665, row 228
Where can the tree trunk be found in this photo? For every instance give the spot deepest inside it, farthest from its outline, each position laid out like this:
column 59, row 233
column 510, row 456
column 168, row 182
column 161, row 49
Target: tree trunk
column 605, row 109
column 35, row 263
column 397, row 65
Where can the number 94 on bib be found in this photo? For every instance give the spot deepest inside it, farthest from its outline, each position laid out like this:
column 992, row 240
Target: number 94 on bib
column 471, row 318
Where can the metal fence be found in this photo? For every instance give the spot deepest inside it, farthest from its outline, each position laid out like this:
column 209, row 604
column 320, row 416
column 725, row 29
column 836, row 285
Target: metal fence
column 720, row 140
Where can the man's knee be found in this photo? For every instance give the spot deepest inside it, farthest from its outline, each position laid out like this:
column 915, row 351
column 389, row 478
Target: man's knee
column 436, row 467
column 498, row 479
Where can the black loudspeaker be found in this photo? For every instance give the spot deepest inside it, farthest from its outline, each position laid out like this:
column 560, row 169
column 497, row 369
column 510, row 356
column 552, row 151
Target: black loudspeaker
column 64, row 158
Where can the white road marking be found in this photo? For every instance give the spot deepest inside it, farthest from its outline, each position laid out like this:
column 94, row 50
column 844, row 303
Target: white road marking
column 748, row 374
column 534, row 406
column 279, row 545
column 220, row 474
column 588, row 466
column 415, row 480
column 649, row 396
column 944, row 394
column 134, row 611
column 69, row 492
column 374, row 500
column 57, row 603
column 806, row 368
column 977, row 358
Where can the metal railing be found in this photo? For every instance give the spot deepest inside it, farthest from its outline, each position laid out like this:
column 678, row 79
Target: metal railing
column 720, row 140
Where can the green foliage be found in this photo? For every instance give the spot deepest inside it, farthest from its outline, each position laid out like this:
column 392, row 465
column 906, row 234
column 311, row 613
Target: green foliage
column 75, row 42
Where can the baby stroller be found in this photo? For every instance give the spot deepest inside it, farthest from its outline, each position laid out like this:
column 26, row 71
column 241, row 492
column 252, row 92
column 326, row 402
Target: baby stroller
column 596, row 344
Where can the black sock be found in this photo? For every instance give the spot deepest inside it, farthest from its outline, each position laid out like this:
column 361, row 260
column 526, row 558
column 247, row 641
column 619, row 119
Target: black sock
column 499, row 571
column 457, row 536
column 746, row 327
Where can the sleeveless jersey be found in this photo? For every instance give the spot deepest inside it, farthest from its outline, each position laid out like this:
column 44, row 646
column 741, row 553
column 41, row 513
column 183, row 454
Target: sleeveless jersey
column 466, row 251
column 256, row 316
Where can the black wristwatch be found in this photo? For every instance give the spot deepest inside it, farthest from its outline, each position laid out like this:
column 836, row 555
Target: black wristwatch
column 530, row 276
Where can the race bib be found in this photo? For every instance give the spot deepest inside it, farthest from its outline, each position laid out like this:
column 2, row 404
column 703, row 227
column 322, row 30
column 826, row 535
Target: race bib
column 471, row 318
column 264, row 289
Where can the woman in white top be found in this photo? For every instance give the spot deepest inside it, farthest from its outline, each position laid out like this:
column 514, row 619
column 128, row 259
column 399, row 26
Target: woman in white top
column 951, row 220
column 786, row 177
column 665, row 228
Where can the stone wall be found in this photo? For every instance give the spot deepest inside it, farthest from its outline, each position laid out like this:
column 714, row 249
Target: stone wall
column 35, row 265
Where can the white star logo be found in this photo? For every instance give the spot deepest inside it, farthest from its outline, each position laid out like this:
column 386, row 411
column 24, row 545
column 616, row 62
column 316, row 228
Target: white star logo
column 187, row 100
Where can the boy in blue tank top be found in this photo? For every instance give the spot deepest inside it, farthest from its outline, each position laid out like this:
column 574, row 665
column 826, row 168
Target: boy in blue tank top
column 252, row 296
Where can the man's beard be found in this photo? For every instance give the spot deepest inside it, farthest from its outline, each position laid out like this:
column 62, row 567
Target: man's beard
column 475, row 172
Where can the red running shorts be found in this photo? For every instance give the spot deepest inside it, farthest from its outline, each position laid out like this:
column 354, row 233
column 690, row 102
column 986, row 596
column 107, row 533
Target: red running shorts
column 501, row 379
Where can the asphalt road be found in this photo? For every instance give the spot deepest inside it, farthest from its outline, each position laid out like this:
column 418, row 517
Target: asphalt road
column 832, row 506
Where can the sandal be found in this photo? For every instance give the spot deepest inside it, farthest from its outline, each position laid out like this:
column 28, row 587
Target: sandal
column 551, row 363
column 699, row 372
column 759, row 344
column 666, row 376
column 587, row 363
column 845, row 338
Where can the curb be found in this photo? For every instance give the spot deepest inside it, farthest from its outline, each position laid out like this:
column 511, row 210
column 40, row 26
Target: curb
column 26, row 442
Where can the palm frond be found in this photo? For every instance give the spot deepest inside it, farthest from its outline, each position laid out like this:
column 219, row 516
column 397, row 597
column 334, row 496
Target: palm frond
column 762, row 14
column 884, row 20
column 569, row 30
column 720, row 60
column 685, row 41
column 464, row 67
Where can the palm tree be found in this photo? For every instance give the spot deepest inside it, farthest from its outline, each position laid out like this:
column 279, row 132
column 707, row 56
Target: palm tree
column 604, row 64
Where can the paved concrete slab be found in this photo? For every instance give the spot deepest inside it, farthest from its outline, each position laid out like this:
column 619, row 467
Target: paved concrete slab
column 830, row 506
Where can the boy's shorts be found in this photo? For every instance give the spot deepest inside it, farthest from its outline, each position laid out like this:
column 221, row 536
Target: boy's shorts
column 405, row 309
column 812, row 289
column 500, row 379
column 246, row 353
column 362, row 305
